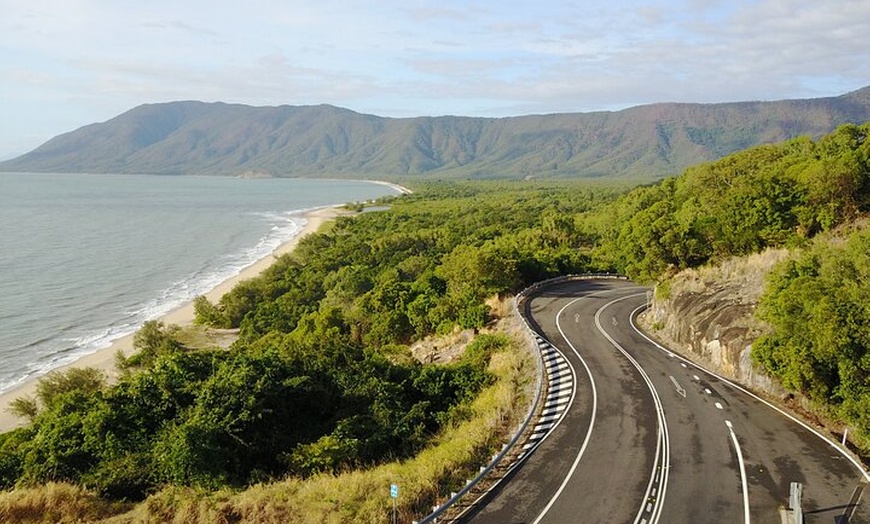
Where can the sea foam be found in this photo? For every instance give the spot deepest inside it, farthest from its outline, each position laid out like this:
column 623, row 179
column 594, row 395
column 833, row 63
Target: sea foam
column 87, row 259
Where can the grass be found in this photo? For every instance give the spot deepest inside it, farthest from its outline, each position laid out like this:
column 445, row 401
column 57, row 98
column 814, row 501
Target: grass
column 747, row 272
column 55, row 504
column 353, row 496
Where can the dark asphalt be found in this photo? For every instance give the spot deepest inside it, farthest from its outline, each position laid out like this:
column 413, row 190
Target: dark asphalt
column 615, row 425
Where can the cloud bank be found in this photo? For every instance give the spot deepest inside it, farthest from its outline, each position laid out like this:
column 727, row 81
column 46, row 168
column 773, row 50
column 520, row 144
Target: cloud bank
column 67, row 63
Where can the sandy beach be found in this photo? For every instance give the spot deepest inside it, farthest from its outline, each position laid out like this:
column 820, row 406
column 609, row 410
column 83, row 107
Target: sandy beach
column 104, row 359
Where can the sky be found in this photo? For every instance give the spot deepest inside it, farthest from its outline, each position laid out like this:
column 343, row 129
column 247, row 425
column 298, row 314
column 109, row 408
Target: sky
column 68, row 63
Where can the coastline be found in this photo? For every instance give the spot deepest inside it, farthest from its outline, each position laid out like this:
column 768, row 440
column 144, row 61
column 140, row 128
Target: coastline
column 104, row 358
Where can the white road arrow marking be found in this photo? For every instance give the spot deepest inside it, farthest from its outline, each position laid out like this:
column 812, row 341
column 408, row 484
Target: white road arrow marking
column 680, row 389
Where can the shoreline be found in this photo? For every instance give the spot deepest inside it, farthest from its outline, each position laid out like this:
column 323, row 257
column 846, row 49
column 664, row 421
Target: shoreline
column 104, row 358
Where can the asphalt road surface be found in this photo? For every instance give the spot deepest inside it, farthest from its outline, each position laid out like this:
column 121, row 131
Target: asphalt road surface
column 650, row 438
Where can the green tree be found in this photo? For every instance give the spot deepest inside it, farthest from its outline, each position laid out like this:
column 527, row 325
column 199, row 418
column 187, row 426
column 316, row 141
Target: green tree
column 816, row 304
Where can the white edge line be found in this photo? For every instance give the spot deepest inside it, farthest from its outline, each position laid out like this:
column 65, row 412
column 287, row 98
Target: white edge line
column 743, row 481
column 738, row 387
column 586, row 440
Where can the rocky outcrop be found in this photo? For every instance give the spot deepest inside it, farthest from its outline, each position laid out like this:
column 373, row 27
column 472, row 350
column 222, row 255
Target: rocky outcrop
column 707, row 315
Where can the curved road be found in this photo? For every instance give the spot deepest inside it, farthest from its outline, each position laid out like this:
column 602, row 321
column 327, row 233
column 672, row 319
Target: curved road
column 650, row 438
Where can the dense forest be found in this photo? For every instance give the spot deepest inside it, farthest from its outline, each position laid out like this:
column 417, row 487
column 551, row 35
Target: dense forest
column 776, row 195
column 818, row 304
column 321, row 378
column 810, row 196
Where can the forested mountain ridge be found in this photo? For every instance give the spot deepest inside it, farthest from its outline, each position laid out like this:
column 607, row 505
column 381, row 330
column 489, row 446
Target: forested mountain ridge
column 648, row 142
column 328, row 327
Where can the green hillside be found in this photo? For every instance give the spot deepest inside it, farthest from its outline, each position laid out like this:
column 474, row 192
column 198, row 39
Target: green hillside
column 812, row 198
column 645, row 142
column 329, row 327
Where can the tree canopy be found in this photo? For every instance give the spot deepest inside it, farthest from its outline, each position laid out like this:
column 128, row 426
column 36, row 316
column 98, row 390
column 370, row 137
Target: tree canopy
column 820, row 344
column 321, row 378
column 776, row 195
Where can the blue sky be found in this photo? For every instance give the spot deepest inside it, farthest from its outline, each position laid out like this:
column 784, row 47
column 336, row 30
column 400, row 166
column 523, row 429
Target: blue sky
column 68, row 63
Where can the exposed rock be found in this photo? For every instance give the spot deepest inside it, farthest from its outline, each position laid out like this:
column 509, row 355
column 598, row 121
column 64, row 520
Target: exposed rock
column 442, row 349
column 707, row 314
column 445, row 349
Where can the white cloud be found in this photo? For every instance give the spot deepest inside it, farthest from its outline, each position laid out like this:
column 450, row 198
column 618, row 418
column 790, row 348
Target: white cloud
column 399, row 58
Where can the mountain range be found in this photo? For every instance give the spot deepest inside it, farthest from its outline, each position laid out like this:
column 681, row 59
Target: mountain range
column 644, row 142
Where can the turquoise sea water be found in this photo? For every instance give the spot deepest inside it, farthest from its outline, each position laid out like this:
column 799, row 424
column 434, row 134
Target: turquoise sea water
column 86, row 259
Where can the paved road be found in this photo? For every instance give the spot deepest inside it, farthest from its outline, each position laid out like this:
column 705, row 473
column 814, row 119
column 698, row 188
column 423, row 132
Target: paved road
column 649, row 438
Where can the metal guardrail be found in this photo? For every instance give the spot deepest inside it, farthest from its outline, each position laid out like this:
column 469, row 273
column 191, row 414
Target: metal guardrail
column 539, row 387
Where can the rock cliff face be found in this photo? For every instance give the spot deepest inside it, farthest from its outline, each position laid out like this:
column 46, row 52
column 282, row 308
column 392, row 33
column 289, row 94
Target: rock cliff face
column 707, row 315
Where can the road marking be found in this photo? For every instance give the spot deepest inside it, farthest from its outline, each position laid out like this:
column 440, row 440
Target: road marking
column 743, row 481
column 558, row 395
column 554, row 403
column 719, row 406
column 697, row 378
column 542, row 426
column 849, row 512
column 683, row 364
column 742, row 389
column 559, row 384
column 680, row 389
column 559, row 375
column 707, row 391
column 594, row 412
column 557, row 366
column 661, row 464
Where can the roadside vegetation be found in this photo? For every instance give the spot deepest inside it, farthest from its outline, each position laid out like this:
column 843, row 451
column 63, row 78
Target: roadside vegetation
column 318, row 404
column 811, row 197
column 817, row 304
column 777, row 195
column 320, row 381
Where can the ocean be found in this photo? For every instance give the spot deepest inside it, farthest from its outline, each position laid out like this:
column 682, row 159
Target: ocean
column 86, row 259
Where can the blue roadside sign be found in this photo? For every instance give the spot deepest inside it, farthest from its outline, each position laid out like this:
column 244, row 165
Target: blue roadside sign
column 394, row 491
